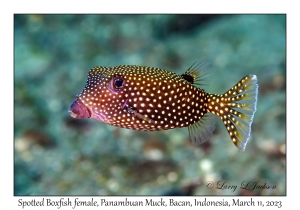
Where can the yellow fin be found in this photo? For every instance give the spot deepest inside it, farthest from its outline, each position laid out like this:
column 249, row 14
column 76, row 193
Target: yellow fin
column 238, row 117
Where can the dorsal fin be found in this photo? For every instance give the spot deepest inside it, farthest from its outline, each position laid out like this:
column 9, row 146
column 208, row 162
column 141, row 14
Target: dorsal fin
column 197, row 74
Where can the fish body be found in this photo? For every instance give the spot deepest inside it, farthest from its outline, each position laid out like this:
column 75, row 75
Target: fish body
column 152, row 99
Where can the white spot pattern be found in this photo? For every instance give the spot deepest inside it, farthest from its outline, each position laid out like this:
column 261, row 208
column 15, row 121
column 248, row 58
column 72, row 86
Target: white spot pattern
column 162, row 96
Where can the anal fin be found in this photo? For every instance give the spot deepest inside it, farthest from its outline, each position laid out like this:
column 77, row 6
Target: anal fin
column 202, row 130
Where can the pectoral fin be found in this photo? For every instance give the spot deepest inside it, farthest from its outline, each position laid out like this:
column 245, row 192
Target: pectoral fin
column 134, row 112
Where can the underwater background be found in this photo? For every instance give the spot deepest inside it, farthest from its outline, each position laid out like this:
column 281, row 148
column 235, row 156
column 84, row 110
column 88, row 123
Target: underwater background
column 55, row 154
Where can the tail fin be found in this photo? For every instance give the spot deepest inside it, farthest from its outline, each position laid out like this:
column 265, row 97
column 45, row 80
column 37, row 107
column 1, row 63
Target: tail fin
column 236, row 108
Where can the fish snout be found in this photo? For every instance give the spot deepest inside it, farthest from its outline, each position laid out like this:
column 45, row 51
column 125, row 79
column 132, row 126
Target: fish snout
column 79, row 110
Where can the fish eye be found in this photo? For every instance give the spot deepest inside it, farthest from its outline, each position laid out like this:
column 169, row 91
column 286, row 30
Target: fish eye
column 116, row 83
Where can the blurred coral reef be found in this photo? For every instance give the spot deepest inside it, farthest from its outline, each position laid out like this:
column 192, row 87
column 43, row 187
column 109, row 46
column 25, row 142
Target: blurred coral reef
column 55, row 154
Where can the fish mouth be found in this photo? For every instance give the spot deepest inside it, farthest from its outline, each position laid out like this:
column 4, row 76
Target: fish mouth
column 79, row 110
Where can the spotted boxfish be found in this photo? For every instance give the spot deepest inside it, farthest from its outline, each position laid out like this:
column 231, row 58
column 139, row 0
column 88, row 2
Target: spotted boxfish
column 153, row 99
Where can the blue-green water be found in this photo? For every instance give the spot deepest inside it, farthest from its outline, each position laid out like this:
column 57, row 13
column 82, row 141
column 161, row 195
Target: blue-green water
column 58, row 155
